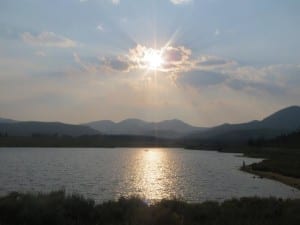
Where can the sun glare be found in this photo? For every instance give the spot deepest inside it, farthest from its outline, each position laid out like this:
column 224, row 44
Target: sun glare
column 153, row 59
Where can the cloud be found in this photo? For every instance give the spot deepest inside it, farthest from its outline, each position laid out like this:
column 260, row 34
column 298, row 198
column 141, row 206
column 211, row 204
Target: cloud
column 40, row 53
column 272, row 79
column 288, row 75
column 100, row 28
column 105, row 64
column 90, row 67
column 117, row 64
column 207, row 70
column 48, row 39
column 176, row 60
column 214, row 61
column 115, row 2
column 124, row 20
column 201, row 78
column 179, row 2
column 198, row 72
column 256, row 86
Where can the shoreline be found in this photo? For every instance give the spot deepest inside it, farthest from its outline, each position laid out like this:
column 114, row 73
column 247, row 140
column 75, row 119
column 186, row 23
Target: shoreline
column 290, row 181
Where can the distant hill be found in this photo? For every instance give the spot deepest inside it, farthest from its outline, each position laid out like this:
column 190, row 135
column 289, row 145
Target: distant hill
column 4, row 120
column 44, row 128
column 288, row 118
column 167, row 128
column 284, row 121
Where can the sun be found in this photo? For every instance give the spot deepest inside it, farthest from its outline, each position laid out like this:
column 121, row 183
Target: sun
column 153, row 59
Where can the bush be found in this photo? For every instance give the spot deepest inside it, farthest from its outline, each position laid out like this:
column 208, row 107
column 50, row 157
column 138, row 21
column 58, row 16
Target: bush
column 58, row 208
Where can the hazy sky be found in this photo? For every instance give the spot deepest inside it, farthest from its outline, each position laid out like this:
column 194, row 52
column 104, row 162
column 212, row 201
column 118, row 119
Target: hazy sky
column 202, row 61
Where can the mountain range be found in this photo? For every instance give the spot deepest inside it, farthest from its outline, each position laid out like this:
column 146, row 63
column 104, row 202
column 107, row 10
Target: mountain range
column 284, row 121
column 165, row 129
column 16, row 128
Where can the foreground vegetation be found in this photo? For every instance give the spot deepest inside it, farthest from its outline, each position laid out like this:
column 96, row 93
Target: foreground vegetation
column 59, row 208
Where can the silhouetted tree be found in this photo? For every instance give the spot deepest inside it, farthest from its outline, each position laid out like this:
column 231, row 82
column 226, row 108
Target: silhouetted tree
column 251, row 142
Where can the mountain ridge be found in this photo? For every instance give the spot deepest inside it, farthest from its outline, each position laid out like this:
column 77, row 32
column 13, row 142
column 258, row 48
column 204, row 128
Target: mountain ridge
column 31, row 128
column 6, row 120
column 167, row 128
column 280, row 122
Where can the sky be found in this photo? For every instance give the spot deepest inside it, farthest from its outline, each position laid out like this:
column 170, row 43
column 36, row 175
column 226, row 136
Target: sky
column 205, row 62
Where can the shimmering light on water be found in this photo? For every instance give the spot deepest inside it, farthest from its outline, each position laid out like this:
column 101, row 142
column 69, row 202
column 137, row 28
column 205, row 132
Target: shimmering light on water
column 155, row 173
column 152, row 176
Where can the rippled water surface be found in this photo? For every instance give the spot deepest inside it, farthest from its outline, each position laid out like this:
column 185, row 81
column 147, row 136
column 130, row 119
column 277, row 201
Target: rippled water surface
column 105, row 174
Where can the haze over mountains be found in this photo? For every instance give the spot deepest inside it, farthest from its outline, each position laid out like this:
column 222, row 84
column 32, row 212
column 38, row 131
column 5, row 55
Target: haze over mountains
column 283, row 121
column 3, row 120
column 167, row 128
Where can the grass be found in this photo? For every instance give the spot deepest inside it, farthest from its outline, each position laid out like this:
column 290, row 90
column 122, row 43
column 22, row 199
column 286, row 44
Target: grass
column 291, row 181
column 279, row 164
column 57, row 208
column 279, row 160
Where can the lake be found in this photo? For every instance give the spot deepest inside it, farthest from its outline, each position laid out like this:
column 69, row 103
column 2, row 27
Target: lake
column 153, row 173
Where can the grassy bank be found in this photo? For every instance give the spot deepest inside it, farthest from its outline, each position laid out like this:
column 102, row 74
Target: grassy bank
column 278, row 160
column 279, row 164
column 291, row 181
column 59, row 208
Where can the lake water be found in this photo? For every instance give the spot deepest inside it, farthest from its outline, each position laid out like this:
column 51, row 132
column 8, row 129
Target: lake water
column 106, row 174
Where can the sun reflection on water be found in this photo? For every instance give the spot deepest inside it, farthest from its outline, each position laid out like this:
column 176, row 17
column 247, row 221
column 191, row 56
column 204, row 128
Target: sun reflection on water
column 152, row 179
